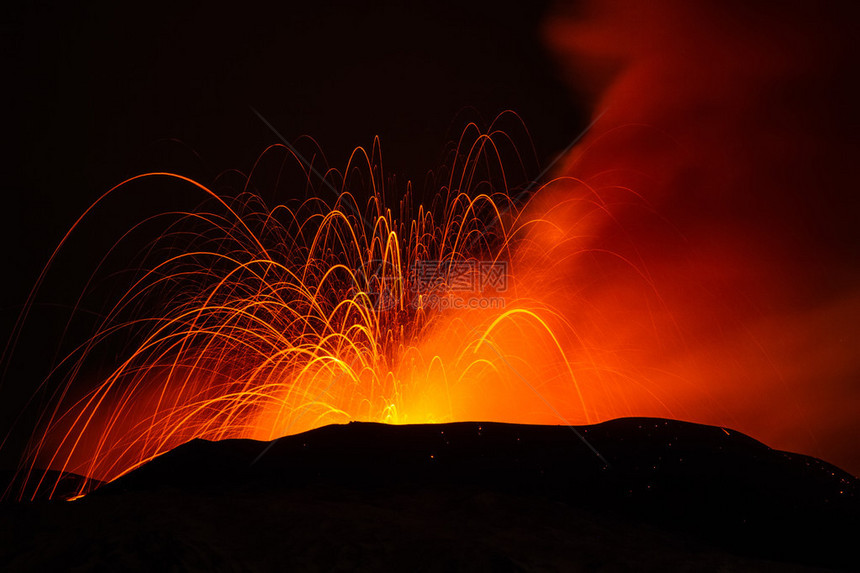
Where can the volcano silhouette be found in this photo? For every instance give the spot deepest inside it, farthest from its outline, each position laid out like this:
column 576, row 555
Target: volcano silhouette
column 628, row 494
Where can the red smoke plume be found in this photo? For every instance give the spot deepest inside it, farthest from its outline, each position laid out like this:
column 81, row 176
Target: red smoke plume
column 725, row 166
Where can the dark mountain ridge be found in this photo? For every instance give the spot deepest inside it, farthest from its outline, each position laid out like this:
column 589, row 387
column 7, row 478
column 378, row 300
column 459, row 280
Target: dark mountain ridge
column 709, row 487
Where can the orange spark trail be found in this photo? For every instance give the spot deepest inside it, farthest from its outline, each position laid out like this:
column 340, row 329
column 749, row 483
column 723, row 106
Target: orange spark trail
column 268, row 322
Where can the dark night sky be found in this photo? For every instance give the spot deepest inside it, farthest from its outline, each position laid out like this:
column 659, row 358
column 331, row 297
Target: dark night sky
column 95, row 95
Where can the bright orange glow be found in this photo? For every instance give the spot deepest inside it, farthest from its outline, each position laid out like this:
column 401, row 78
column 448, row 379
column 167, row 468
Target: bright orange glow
column 268, row 322
column 651, row 277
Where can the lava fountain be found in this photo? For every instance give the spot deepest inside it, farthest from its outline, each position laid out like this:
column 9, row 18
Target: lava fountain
column 243, row 321
column 670, row 268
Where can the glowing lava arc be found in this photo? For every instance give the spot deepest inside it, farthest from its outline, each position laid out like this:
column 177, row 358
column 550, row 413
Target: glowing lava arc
column 268, row 322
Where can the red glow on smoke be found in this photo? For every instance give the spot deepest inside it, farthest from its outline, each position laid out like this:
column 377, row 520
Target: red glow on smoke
column 691, row 259
column 727, row 155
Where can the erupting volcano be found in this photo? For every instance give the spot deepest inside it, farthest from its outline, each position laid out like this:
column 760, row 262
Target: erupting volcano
column 690, row 255
column 244, row 321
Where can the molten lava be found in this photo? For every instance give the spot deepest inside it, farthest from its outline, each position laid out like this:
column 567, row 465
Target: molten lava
column 245, row 321
column 670, row 269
